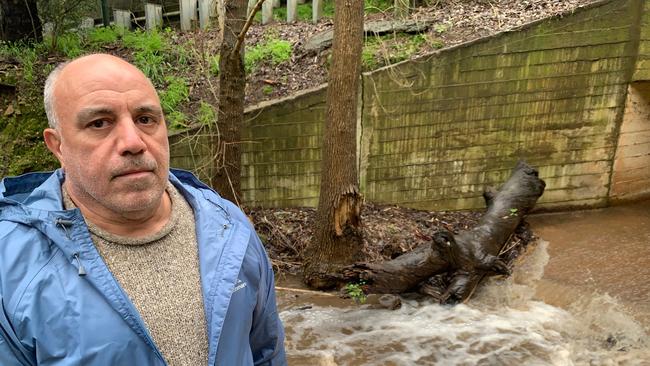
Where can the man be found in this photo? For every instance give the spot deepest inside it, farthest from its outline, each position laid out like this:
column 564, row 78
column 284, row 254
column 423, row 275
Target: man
column 115, row 260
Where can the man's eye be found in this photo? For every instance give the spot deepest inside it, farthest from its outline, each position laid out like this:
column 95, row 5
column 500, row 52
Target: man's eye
column 145, row 120
column 100, row 123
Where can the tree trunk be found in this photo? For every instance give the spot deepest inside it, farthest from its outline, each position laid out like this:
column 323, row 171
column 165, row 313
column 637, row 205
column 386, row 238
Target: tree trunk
column 337, row 235
column 19, row 21
column 468, row 256
column 226, row 175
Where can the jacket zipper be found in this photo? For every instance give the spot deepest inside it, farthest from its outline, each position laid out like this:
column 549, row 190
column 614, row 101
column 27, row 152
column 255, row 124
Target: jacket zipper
column 63, row 223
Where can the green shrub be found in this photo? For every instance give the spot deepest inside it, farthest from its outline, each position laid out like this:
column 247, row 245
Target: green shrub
column 175, row 93
column 101, row 36
column 214, row 65
column 355, row 291
column 273, row 50
column 139, row 40
column 69, row 44
column 176, row 120
column 207, row 114
column 149, row 50
column 27, row 59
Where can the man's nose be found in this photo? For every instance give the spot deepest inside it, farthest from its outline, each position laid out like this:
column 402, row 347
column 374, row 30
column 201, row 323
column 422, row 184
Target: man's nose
column 129, row 139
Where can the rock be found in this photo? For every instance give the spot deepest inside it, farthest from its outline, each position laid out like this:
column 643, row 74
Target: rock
column 390, row 302
column 9, row 111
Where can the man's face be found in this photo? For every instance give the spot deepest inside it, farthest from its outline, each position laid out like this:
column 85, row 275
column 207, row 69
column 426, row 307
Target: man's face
column 111, row 137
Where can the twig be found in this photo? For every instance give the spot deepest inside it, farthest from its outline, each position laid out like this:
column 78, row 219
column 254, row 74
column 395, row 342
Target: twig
column 249, row 21
column 320, row 293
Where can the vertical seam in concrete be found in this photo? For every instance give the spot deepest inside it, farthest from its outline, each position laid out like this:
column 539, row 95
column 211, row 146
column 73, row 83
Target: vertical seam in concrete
column 632, row 48
column 360, row 133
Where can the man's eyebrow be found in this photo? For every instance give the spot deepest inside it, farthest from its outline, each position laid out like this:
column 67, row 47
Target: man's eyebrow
column 149, row 109
column 91, row 112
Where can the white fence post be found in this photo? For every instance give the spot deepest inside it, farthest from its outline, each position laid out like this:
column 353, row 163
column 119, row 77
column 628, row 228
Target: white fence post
column 205, row 10
column 292, row 9
column 87, row 23
column 251, row 4
column 153, row 16
column 188, row 14
column 122, row 19
column 317, row 10
column 267, row 11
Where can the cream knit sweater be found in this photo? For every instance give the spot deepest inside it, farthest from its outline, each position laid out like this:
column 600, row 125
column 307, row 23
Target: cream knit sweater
column 160, row 274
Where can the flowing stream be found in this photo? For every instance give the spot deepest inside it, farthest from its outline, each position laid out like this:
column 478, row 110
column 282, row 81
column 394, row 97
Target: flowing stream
column 580, row 296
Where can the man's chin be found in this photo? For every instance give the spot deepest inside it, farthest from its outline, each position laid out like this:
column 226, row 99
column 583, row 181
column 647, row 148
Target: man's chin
column 134, row 201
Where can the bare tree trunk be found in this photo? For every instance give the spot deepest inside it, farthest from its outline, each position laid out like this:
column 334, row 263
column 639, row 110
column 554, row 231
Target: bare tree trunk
column 226, row 178
column 19, row 21
column 337, row 235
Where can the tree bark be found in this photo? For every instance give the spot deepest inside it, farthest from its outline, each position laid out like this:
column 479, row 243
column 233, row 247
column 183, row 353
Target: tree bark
column 467, row 257
column 226, row 175
column 337, row 234
column 19, row 21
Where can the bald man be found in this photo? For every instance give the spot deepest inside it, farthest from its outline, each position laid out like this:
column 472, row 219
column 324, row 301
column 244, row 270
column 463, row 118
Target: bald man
column 114, row 259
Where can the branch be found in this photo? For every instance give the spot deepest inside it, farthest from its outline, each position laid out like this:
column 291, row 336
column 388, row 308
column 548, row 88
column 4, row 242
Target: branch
column 249, row 21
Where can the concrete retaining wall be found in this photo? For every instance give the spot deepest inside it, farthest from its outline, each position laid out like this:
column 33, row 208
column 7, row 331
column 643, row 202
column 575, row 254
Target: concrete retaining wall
column 435, row 131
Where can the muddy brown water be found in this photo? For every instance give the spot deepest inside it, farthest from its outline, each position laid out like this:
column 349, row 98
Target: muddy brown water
column 581, row 296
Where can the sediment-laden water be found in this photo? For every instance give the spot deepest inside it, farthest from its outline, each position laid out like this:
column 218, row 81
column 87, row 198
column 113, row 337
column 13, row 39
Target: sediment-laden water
column 526, row 319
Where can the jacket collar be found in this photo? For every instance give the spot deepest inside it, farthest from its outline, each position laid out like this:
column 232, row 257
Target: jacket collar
column 42, row 190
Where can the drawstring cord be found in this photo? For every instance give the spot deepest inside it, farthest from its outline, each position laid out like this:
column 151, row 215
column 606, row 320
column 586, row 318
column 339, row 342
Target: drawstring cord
column 63, row 223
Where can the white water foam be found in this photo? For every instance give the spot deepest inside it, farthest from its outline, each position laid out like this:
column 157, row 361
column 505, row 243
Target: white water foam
column 502, row 325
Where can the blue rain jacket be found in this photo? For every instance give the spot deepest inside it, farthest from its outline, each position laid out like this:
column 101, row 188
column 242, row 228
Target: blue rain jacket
column 52, row 314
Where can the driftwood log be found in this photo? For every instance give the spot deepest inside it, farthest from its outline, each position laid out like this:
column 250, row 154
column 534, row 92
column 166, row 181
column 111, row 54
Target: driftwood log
column 466, row 257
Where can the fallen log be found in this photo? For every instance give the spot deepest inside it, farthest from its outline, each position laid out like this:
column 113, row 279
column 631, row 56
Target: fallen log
column 466, row 257
column 324, row 39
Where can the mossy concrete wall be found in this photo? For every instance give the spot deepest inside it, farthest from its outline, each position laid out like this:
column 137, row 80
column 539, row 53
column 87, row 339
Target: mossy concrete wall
column 631, row 175
column 436, row 131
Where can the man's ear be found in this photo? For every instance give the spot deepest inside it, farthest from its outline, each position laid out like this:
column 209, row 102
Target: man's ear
column 53, row 142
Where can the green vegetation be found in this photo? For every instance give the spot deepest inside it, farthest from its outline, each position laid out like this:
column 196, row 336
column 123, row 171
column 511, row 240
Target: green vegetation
column 214, row 65
column 22, row 146
column 390, row 49
column 102, row 36
column 174, row 94
column 267, row 89
column 63, row 15
column 69, row 45
column 207, row 114
column 149, row 50
column 273, row 50
column 378, row 6
column 355, row 291
column 176, row 120
column 441, row 27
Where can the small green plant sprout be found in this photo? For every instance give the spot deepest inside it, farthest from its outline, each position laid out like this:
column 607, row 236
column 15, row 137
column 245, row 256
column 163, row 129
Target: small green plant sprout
column 513, row 212
column 267, row 89
column 273, row 50
column 441, row 28
column 102, row 36
column 207, row 114
column 176, row 93
column 355, row 291
column 214, row 65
